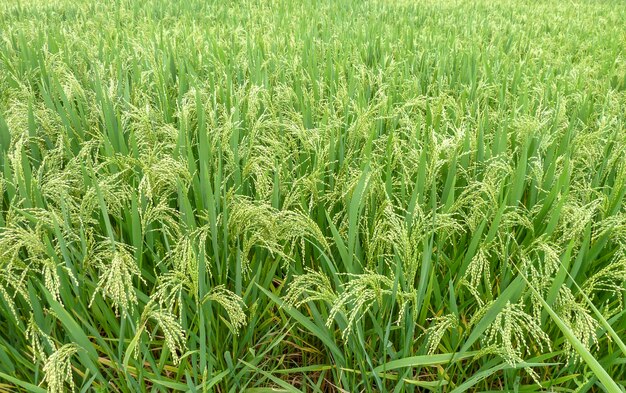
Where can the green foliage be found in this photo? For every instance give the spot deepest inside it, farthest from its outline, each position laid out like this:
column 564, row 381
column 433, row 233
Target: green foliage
column 312, row 196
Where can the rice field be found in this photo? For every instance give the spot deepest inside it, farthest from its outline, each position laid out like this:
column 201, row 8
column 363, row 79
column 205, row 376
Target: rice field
column 312, row 196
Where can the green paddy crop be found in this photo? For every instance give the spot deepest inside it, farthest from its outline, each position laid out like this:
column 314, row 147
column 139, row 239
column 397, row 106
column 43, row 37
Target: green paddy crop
column 316, row 196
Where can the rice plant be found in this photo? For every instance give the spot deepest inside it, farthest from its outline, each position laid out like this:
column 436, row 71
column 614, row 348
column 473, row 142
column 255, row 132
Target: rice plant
column 315, row 196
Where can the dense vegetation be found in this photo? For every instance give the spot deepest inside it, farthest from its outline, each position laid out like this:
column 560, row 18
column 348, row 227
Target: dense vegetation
column 314, row 196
